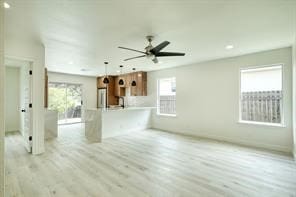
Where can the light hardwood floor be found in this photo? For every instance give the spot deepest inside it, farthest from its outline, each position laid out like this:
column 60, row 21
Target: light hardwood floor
column 145, row 163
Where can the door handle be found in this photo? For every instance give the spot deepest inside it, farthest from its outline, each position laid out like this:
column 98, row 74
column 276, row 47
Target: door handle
column 23, row 110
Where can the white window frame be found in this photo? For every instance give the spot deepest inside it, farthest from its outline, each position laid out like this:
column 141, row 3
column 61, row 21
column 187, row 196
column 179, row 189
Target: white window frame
column 158, row 98
column 282, row 124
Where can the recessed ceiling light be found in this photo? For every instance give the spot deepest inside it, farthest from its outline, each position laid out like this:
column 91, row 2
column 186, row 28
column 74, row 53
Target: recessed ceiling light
column 229, row 47
column 6, row 5
column 70, row 62
column 118, row 71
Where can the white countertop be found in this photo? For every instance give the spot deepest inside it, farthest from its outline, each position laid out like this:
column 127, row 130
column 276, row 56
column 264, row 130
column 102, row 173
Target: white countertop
column 122, row 109
column 127, row 109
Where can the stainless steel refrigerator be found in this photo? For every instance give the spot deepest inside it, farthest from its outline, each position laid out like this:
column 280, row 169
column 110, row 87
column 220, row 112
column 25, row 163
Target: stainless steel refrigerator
column 102, row 98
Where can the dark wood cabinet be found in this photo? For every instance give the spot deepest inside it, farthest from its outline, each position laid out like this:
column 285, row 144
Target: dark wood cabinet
column 134, row 89
column 128, row 80
column 141, row 88
column 114, row 90
column 100, row 83
column 111, row 98
column 119, row 90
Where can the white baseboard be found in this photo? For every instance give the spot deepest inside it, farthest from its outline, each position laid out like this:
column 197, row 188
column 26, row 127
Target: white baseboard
column 272, row 147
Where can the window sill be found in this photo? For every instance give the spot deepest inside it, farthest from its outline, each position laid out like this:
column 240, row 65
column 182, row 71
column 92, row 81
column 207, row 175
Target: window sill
column 262, row 123
column 167, row 115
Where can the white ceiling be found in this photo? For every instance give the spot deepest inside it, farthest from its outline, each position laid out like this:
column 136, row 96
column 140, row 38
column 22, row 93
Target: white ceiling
column 88, row 32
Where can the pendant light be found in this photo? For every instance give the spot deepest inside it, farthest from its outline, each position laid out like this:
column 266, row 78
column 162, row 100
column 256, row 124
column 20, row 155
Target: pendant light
column 106, row 80
column 121, row 82
column 134, row 83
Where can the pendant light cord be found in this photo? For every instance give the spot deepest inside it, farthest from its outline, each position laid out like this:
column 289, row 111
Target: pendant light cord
column 106, row 80
column 121, row 66
column 106, row 69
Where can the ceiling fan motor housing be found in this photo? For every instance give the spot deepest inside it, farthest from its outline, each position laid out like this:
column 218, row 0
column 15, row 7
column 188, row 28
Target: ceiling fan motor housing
column 149, row 38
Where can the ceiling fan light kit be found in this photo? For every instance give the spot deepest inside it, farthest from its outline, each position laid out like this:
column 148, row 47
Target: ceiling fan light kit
column 153, row 52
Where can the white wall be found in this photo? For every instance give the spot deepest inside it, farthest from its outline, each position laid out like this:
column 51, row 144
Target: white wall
column 89, row 86
column 12, row 98
column 207, row 101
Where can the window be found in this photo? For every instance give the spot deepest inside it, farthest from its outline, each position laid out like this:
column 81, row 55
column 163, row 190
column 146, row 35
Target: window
column 166, row 102
column 66, row 99
column 261, row 95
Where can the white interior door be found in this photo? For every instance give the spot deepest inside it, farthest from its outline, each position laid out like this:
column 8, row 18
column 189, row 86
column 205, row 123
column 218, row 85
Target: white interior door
column 26, row 105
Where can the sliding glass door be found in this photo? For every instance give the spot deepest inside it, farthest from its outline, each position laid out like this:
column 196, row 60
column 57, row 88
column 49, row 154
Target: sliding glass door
column 66, row 99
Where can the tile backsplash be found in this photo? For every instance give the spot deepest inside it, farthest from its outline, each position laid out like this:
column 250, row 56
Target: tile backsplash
column 132, row 101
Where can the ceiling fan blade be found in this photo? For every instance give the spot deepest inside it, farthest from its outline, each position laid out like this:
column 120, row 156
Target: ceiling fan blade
column 134, row 57
column 132, row 50
column 159, row 47
column 164, row 54
column 155, row 60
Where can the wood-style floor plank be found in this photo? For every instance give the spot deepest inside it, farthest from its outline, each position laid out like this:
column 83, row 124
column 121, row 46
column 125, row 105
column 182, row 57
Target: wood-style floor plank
column 145, row 163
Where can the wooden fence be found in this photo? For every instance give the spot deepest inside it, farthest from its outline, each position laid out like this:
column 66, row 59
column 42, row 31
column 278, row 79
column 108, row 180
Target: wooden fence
column 167, row 104
column 265, row 106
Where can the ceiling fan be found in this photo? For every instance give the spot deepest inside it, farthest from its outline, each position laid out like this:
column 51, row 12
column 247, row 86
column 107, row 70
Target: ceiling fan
column 153, row 52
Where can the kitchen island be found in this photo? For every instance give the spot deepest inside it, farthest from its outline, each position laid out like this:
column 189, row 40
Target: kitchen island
column 104, row 123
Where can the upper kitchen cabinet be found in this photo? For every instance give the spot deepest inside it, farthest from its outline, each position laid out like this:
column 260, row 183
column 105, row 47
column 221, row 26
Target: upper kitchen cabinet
column 111, row 97
column 100, row 83
column 141, row 84
column 115, row 90
column 128, row 80
column 119, row 90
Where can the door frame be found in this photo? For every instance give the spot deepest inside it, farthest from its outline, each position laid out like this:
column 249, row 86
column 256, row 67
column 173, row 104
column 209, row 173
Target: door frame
column 28, row 137
column 37, row 136
column 2, row 101
column 27, row 65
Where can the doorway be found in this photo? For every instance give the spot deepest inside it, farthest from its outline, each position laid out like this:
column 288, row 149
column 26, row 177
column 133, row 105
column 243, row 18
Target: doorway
column 18, row 96
column 66, row 99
